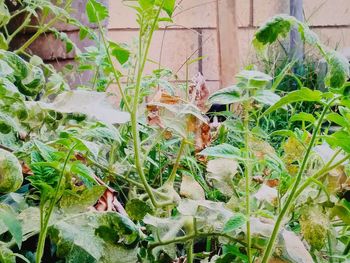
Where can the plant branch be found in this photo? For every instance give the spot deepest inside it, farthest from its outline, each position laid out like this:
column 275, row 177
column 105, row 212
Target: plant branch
column 134, row 111
column 172, row 176
column 286, row 206
column 46, row 218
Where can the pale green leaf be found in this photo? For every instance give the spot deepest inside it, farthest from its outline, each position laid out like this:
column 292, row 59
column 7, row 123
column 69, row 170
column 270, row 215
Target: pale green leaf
column 223, row 151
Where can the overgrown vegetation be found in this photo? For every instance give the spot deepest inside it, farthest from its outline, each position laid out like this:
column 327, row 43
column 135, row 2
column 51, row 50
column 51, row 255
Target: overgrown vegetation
column 154, row 181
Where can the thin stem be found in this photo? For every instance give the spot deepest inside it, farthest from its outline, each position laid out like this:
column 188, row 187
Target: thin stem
column 247, row 175
column 186, row 238
column 40, row 31
column 115, row 73
column 44, row 226
column 172, row 176
column 320, row 173
column 291, row 196
column 134, row 112
column 19, row 29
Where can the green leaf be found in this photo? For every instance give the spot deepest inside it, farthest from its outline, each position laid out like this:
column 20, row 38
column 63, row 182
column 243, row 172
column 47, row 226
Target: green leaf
column 304, row 94
column 47, row 153
column 168, row 6
column 339, row 139
column 227, row 96
column 337, row 119
column 223, row 151
column 3, row 42
column 303, row 116
column 120, row 53
column 76, row 202
column 338, row 72
column 146, row 4
column 4, row 14
column 96, row 11
column 277, row 26
column 9, row 219
column 235, row 222
column 342, row 210
column 254, row 79
column 84, row 172
column 95, row 237
column 137, row 209
column 6, row 255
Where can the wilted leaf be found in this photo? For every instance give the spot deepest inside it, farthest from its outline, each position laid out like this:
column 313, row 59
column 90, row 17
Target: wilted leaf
column 199, row 92
column 95, row 237
column 191, row 189
column 267, row 194
column 93, row 104
column 314, row 224
column 294, row 249
column 261, row 149
column 221, row 173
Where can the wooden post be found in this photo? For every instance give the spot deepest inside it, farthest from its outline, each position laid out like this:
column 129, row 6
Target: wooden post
column 296, row 43
column 228, row 41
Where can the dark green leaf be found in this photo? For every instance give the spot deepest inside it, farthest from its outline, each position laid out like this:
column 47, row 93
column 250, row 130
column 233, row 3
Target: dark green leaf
column 137, row 209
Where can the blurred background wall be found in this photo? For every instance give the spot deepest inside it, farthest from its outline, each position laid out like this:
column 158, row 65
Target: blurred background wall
column 222, row 30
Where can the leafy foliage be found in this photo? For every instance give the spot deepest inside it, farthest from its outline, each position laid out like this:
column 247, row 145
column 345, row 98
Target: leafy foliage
column 241, row 190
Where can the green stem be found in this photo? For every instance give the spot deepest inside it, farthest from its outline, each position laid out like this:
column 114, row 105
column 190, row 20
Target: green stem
column 190, row 252
column 291, row 196
column 134, row 112
column 41, row 30
column 19, row 29
column 320, row 173
column 47, row 216
column 115, row 73
column 247, row 175
column 172, row 176
column 186, row 238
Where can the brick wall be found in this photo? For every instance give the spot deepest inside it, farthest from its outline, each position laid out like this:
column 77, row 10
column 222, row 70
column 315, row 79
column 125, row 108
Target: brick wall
column 198, row 32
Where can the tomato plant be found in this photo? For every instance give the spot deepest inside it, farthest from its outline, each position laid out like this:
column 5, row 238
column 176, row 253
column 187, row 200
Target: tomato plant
column 152, row 179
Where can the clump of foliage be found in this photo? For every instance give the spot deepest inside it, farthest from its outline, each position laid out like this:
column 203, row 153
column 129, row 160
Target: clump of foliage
column 152, row 181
